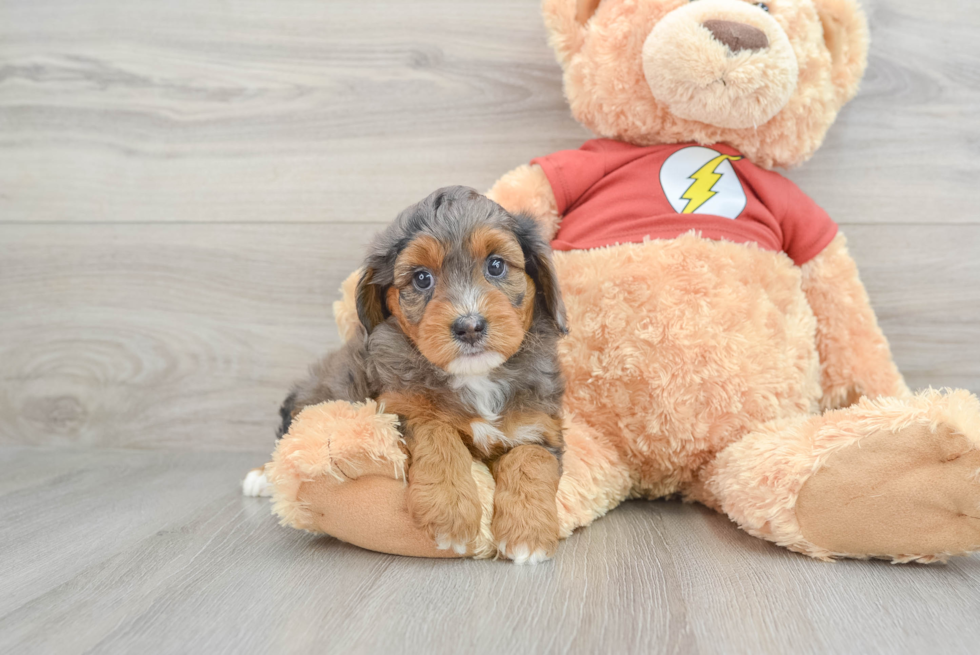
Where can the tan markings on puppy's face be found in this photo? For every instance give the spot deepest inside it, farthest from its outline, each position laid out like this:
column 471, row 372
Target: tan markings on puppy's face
column 528, row 307
column 423, row 253
column 410, row 329
column 507, row 292
column 435, row 339
column 418, row 298
column 437, row 284
column 486, row 241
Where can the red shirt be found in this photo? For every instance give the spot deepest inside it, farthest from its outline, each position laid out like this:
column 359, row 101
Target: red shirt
column 611, row 192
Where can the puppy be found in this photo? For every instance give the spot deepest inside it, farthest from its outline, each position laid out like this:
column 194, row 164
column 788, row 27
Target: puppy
column 462, row 315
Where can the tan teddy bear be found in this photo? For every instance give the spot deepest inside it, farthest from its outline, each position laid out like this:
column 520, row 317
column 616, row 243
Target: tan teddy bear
column 722, row 346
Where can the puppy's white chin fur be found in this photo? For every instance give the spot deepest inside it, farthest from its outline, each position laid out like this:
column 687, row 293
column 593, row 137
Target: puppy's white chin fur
column 475, row 364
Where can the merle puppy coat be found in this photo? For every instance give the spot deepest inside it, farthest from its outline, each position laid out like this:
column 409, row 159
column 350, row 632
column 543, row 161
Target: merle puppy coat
column 461, row 316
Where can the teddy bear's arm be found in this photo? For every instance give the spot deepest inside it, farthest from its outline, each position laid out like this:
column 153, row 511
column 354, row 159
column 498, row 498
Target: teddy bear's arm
column 526, row 189
column 854, row 355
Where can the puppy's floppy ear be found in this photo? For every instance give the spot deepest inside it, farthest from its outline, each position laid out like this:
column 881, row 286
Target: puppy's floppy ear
column 369, row 299
column 538, row 264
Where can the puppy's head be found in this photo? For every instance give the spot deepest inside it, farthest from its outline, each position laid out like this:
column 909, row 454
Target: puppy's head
column 464, row 279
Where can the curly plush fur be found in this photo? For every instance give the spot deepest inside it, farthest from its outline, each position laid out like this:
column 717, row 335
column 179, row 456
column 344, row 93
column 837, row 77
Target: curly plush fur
column 610, row 94
column 718, row 371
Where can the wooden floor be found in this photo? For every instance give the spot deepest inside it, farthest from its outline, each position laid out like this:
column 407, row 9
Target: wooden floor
column 123, row 551
column 183, row 186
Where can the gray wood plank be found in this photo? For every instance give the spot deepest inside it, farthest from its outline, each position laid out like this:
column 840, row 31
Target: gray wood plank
column 156, row 552
column 924, row 283
column 183, row 185
column 166, row 335
column 346, row 111
column 236, row 112
column 163, row 336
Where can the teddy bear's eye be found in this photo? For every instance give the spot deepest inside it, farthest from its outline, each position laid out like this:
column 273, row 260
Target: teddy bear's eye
column 763, row 6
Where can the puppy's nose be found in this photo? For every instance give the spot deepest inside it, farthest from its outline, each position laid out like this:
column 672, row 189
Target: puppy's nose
column 469, row 329
column 737, row 36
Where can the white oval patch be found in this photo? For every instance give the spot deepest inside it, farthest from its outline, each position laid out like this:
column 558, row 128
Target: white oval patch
column 699, row 180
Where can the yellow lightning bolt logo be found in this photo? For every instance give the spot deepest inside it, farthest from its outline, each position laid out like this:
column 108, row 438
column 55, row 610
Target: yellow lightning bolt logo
column 705, row 179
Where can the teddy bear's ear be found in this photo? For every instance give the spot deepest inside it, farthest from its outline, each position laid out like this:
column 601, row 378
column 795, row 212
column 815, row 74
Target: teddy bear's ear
column 566, row 21
column 584, row 10
column 845, row 31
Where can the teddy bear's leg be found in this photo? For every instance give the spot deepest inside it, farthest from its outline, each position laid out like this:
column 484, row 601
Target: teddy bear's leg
column 595, row 478
column 341, row 471
column 896, row 478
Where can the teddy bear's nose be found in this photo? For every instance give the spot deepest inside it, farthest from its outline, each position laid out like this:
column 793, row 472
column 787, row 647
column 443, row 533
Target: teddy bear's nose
column 737, row 36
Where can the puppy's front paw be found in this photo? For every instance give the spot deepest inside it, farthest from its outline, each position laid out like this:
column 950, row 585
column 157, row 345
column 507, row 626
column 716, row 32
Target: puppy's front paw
column 527, row 543
column 256, row 484
column 449, row 513
column 525, row 508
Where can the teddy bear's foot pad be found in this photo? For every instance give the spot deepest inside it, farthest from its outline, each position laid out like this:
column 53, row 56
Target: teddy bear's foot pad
column 912, row 494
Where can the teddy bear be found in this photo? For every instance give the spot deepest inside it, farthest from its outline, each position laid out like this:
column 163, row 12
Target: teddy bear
column 722, row 347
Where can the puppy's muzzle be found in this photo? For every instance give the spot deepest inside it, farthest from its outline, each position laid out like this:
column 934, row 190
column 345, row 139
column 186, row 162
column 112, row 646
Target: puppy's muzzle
column 470, row 330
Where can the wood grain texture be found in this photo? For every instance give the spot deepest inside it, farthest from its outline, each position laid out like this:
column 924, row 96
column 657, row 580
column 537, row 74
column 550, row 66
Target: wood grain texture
column 125, row 552
column 183, row 186
column 348, row 110
column 161, row 336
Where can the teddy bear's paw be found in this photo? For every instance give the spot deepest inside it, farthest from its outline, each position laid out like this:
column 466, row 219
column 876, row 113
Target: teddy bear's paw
column 256, row 484
column 909, row 494
column 522, row 553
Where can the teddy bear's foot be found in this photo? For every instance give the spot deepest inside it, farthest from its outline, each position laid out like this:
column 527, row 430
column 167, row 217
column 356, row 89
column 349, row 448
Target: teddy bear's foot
column 341, row 471
column 909, row 494
column 895, row 478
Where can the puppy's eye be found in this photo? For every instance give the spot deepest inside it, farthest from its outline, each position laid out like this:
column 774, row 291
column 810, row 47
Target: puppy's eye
column 422, row 280
column 496, row 267
column 763, row 6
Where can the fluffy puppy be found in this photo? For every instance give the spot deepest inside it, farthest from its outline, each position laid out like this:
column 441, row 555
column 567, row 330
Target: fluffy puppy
column 462, row 314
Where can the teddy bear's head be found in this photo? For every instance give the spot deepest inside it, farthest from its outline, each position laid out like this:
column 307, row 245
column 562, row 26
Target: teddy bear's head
column 764, row 77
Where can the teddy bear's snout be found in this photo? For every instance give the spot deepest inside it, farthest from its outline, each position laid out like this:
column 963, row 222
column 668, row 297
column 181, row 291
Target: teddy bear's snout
column 737, row 36
column 721, row 62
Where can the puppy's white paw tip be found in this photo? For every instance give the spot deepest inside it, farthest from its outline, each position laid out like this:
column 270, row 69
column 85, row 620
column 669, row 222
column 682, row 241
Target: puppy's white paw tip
column 443, row 542
column 521, row 554
column 256, row 485
column 538, row 556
